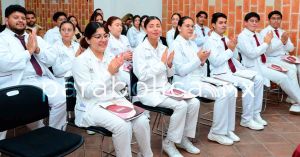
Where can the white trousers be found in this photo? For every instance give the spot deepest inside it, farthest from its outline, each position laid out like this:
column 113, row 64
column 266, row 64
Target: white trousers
column 293, row 69
column 183, row 121
column 224, row 106
column 57, row 102
column 252, row 94
column 122, row 131
column 290, row 87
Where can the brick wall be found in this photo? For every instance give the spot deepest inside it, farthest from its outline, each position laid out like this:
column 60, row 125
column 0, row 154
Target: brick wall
column 0, row 13
column 45, row 9
column 235, row 11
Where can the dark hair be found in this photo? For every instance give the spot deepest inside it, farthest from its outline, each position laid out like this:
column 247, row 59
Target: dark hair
column 176, row 14
column 250, row 15
column 14, row 8
column 142, row 18
column 30, row 12
column 77, row 26
column 217, row 15
column 64, row 22
column 135, row 16
column 275, row 12
column 91, row 29
column 58, row 14
column 94, row 16
column 110, row 20
column 97, row 10
column 201, row 12
column 180, row 22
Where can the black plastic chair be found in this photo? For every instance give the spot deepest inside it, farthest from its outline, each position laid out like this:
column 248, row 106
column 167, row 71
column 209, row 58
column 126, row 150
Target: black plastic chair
column 71, row 102
column 161, row 111
column 24, row 104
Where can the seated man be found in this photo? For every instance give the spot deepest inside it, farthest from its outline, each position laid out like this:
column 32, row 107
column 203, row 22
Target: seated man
column 253, row 47
column 224, row 66
column 280, row 46
column 31, row 23
column 52, row 35
column 24, row 59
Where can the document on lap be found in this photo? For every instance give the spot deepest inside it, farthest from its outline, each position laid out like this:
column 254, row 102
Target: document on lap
column 178, row 94
column 291, row 59
column 277, row 67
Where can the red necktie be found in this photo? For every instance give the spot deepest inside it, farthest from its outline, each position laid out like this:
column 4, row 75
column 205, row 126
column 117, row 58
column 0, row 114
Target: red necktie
column 277, row 33
column 230, row 62
column 263, row 56
column 33, row 61
column 203, row 31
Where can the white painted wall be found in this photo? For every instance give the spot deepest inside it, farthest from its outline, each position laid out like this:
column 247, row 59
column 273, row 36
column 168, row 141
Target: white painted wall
column 6, row 3
column 136, row 7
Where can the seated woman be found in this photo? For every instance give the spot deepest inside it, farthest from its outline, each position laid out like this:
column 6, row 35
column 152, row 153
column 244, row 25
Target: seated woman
column 151, row 66
column 191, row 75
column 96, row 75
column 66, row 50
column 78, row 34
column 118, row 44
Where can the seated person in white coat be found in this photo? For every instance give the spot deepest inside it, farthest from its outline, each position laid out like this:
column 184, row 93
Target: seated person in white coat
column 96, row 75
column 170, row 34
column 152, row 66
column 224, row 66
column 280, row 46
column 53, row 35
column 253, row 47
column 142, row 34
column 202, row 32
column 24, row 60
column 118, row 44
column 190, row 69
column 134, row 31
column 66, row 50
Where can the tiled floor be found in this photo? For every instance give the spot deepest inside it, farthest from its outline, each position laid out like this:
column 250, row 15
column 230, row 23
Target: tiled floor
column 278, row 139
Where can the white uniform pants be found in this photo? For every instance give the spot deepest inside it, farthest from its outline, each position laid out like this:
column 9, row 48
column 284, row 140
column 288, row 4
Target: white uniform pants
column 183, row 121
column 252, row 94
column 122, row 131
column 291, row 88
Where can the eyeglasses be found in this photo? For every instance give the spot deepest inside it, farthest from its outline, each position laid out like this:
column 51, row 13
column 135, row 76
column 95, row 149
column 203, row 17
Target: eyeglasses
column 101, row 36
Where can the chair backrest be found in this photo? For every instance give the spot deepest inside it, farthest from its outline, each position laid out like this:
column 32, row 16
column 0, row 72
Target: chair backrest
column 208, row 68
column 70, row 93
column 133, row 83
column 20, row 105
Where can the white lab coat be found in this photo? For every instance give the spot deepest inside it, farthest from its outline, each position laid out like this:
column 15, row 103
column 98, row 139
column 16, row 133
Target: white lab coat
column 16, row 69
column 52, row 35
column 116, row 47
column 132, row 36
column 153, row 80
column 188, row 76
column 277, row 50
column 253, row 89
column 141, row 36
column 65, row 56
column 251, row 59
column 170, row 37
column 200, row 39
column 96, row 86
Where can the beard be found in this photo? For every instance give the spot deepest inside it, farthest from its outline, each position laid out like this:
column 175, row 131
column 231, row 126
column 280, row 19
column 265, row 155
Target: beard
column 30, row 24
column 17, row 31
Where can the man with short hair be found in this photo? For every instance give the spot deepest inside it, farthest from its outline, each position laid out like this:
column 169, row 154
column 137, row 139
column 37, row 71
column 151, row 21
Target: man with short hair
column 202, row 32
column 53, row 35
column 223, row 65
column 24, row 60
column 31, row 23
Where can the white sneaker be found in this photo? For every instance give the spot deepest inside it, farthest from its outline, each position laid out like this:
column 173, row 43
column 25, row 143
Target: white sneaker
column 290, row 100
column 187, row 145
column 222, row 139
column 259, row 120
column 252, row 125
column 233, row 136
column 295, row 109
column 90, row 132
column 170, row 149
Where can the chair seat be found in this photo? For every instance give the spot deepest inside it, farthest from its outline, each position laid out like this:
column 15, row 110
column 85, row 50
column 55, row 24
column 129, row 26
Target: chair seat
column 205, row 100
column 162, row 110
column 42, row 142
column 99, row 130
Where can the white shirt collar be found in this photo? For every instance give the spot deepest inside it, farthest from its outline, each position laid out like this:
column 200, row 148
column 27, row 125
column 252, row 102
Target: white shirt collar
column 216, row 36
